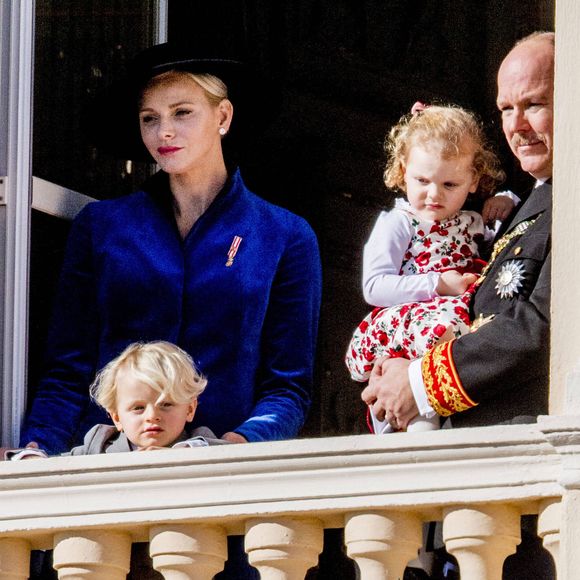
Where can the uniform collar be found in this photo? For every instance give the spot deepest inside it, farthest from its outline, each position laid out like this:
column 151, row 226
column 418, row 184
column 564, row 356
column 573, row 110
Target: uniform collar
column 539, row 201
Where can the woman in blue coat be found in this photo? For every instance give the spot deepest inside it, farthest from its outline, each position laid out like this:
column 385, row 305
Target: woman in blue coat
column 193, row 258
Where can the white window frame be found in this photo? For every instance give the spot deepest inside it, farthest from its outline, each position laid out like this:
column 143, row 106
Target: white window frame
column 16, row 76
column 19, row 191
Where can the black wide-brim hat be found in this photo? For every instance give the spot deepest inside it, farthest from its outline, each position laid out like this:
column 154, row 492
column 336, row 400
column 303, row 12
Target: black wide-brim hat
column 115, row 122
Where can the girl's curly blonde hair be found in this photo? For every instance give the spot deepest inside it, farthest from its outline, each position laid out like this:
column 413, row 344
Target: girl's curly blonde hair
column 164, row 367
column 453, row 131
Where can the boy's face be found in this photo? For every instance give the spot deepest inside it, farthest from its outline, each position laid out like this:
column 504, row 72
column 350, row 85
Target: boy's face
column 145, row 419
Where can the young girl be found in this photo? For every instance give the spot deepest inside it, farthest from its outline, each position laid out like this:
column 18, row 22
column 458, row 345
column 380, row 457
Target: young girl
column 421, row 260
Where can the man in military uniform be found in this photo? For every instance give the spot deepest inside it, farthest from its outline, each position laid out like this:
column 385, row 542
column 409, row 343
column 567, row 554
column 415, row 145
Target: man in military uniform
column 499, row 372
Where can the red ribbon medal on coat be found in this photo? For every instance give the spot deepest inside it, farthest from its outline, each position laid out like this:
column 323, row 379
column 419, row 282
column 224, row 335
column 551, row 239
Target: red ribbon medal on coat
column 233, row 250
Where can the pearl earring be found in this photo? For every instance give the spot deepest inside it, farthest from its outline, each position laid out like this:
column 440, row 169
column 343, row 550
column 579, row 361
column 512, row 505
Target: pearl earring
column 222, row 131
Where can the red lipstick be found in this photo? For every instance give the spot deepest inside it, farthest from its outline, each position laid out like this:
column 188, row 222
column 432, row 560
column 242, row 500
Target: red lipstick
column 167, row 150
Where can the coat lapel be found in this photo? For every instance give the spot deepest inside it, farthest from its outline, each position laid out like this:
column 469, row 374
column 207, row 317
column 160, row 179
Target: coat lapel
column 119, row 445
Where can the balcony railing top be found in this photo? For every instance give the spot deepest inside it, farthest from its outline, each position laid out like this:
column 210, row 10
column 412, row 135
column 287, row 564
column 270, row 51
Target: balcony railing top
column 519, row 464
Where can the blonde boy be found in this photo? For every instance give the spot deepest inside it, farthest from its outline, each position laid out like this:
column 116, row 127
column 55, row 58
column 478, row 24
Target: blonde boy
column 150, row 391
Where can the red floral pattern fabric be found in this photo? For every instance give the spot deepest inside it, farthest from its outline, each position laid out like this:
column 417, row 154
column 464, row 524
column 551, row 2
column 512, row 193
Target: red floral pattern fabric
column 409, row 330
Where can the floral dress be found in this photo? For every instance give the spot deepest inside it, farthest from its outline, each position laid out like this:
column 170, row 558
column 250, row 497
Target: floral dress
column 408, row 330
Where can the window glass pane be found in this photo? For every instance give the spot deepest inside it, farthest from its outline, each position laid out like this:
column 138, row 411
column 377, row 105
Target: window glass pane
column 80, row 47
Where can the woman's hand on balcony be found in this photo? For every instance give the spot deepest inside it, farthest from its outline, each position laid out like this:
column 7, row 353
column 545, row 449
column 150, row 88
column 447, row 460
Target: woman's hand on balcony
column 234, row 437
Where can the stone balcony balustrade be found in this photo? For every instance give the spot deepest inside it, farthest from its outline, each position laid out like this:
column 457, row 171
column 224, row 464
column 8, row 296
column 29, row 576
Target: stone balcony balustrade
column 282, row 495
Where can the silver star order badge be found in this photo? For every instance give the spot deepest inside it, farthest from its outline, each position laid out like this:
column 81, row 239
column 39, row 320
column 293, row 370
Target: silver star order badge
column 509, row 280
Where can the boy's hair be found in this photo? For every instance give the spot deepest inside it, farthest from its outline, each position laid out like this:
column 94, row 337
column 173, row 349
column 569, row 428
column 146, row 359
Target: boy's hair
column 450, row 129
column 161, row 365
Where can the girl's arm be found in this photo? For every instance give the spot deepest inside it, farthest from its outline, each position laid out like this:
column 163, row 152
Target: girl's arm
column 383, row 285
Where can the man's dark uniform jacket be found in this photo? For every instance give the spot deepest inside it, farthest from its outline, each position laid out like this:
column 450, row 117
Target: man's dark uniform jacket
column 499, row 372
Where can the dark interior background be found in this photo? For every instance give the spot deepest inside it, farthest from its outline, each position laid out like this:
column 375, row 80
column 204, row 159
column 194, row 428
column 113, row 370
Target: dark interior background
column 343, row 71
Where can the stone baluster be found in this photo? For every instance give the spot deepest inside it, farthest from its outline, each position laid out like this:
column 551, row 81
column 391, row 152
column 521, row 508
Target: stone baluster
column 92, row 555
column 382, row 543
column 285, row 548
column 549, row 522
column 183, row 551
column 570, row 532
column 481, row 538
column 14, row 559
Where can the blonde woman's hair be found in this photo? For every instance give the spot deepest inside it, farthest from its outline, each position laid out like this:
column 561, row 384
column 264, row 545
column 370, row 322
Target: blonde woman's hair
column 450, row 130
column 214, row 88
column 161, row 365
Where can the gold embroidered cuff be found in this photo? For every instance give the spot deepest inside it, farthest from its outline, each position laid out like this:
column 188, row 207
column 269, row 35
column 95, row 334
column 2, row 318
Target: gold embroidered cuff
column 444, row 389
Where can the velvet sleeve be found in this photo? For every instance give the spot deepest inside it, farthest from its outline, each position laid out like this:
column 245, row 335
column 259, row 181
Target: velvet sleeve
column 288, row 341
column 62, row 395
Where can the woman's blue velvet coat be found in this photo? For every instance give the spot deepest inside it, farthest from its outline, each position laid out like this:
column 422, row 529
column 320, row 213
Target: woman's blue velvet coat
column 251, row 327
